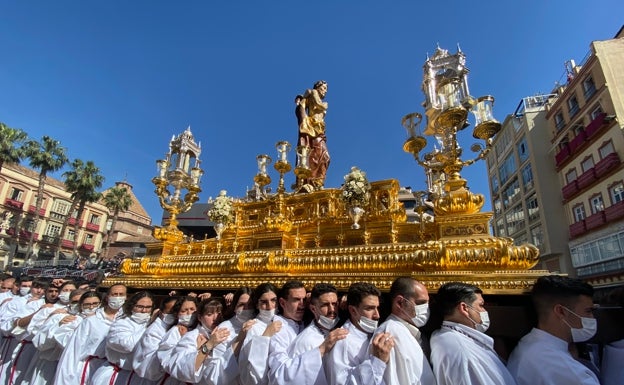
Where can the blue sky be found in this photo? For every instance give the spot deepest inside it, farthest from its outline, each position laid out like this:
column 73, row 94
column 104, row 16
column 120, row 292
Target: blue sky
column 114, row 80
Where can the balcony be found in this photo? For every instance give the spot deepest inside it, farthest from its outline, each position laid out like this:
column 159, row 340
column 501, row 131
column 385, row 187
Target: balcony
column 577, row 229
column 86, row 247
column 14, row 203
column 72, row 222
column 562, row 155
column 32, row 208
column 614, row 212
column 93, row 226
column 49, row 239
column 607, row 164
column 595, row 125
column 25, row 234
column 587, row 178
column 595, row 220
column 577, row 141
column 67, row 243
column 569, row 190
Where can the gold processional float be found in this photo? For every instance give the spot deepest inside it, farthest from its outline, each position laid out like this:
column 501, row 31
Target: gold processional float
column 342, row 235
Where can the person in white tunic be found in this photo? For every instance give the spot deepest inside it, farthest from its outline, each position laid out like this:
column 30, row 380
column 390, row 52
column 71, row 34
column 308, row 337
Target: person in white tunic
column 358, row 360
column 186, row 314
column 7, row 285
column 461, row 352
column 292, row 301
column 564, row 308
column 57, row 327
column 253, row 358
column 147, row 369
column 9, row 342
column 123, row 336
column 20, row 312
column 305, row 362
column 407, row 364
column 192, row 359
column 84, row 352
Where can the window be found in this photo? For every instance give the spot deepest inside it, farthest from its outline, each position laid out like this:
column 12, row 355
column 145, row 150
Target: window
column 507, row 168
column 571, row 176
column 34, row 201
column 532, row 207
column 88, row 240
column 515, row 219
column 579, row 212
column 16, row 194
column 523, row 150
column 498, row 208
column 70, row 235
column 616, row 192
column 596, row 112
column 559, row 121
column 494, row 181
column 578, row 128
column 598, row 250
column 94, row 219
column 30, row 225
column 53, row 230
column 606, row 149
column 527, row 177
column 511, row 193
column 500, row 227
column 573, row 106
column 537, row 236
column 587, row 163
column 596, row 204
column 589, row 88
column 60, row 207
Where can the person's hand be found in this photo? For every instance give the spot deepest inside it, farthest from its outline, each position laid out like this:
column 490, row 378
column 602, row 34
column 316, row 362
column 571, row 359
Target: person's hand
column 331, row 339
column 201, row 339
column 204, row 296
column 61, row 310
column 182, row 329
column 67, row 319
column 382, row 345
column 272, row 328
column 229, row 297
column 173, row 293
column 246, row 327
column 217, row 336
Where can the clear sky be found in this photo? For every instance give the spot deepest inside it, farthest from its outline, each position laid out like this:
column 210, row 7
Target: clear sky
column 114, row 80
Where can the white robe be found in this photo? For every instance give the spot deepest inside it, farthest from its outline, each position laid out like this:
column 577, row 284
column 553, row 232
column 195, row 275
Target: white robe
column 543, row 359
column 253, row 357
column 407, row 364
column 464, row 356
column 165, row 348
column 123, row 336
column 305, row 364
column 85, row 350
column 145, row 362
column 213, row 371
column 279, row 345
column 350, row 361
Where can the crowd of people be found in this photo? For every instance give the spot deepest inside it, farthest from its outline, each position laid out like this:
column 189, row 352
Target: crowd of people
column 65, row 333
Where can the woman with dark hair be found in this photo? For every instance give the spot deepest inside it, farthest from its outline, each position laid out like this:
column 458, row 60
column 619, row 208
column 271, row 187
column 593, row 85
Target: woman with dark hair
column 123, row 336
column 145, row 363
column 254, row 353
column 49, row 340
column 239, row 312
column 186, row 313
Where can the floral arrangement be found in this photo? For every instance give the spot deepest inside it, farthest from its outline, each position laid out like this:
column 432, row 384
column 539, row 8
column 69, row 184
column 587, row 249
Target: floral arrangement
column 356, row 188
column 222, row 210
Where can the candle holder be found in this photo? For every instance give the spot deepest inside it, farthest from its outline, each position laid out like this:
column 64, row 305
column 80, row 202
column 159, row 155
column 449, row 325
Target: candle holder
column 282, row 166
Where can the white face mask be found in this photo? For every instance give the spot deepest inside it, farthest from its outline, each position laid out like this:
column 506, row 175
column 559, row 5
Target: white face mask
column 587, row 331
column 168, row 319
column 266, row 316
column 141, row 318
column 64, row 297
column 73, row 308
column 326, row 322
column 186, row 319
column 485, row 320
column 244, row 315
column 24, row 291
column 422, row 313
column 88, row 312
column 116, row 302
column 367, row 324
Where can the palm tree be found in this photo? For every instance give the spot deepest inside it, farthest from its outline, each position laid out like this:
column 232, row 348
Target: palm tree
column 82, row 181
column 11, row 140
column 45, row 156
column 118, row 200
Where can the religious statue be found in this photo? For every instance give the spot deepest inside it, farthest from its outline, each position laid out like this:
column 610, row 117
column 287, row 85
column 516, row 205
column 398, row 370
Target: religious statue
column 310, row 111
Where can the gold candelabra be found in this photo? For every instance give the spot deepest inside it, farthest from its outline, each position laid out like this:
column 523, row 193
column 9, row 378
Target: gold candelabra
column 175, row 172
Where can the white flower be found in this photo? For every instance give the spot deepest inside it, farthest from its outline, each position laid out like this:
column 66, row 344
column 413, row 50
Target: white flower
column 222, row 209
column 356, row 188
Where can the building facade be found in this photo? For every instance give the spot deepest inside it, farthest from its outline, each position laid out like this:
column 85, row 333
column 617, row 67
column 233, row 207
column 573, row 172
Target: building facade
column 587, row 122
column 18, row 193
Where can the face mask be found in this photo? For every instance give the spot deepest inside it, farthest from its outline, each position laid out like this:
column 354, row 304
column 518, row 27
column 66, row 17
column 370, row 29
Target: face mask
column 587, row 331
column 186, row 319
column 73, row 309
column 140, row 318
column 116, row 302
column 367, row 324
column 266, row 316
column 244, row 315
column 422, row 314
column 64, row 297
column 24, row 291
column 485, row 320
column 88, row 312
column 327, row 323
column 169, row 319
